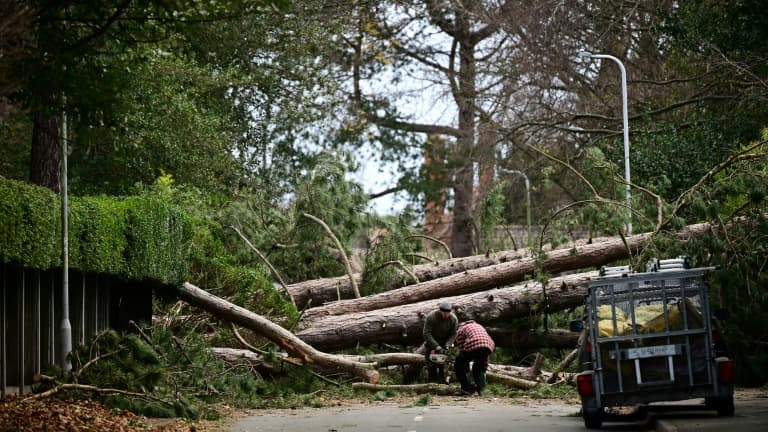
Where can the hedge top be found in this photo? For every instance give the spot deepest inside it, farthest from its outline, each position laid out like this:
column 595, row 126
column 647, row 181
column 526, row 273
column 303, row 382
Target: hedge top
column 140, row 237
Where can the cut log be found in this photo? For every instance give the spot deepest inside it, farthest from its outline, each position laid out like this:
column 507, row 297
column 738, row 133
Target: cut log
column 521, row 372
column 280, row 336
column 511, row 381
column 404, row 324
column 485, row 278
column 253, row 360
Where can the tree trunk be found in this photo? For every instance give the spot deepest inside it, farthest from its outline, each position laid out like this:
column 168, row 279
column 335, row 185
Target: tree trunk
column 525, row 340
column 46, row 150
column 321, row 291
column 253, row 360
column 404, row 324
column 462, row 230
column 280, row 336
column 511, row 381
column 557, row 261
column 484, row 278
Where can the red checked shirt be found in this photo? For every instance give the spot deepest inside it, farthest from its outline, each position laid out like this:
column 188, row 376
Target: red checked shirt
column 472, row 336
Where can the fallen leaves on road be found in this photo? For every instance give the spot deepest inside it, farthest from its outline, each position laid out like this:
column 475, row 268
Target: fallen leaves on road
column 55, row 415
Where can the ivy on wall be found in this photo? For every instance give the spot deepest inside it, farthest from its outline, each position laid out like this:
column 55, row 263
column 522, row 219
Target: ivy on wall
column 140, row 237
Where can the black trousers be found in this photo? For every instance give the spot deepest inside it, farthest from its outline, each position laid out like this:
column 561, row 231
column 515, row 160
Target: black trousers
column 479, row 360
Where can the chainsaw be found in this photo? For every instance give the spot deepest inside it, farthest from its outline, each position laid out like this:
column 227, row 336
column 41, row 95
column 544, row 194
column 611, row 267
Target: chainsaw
column 438, row 358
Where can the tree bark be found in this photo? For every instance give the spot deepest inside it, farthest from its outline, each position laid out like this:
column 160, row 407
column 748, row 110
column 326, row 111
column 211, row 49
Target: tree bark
column 483, row 278
column 46, row 149
column 511, row 381
column 557, row 261
column 385, row 360
column 525, row 340
column 321, row 291
column 404, row 324
column 253, row 360
column 280, row 336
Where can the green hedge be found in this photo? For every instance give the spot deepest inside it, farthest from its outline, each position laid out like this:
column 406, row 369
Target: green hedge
column 141, row 237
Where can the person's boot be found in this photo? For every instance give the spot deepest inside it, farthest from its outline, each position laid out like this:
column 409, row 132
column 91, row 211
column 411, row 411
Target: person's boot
column 466, row 391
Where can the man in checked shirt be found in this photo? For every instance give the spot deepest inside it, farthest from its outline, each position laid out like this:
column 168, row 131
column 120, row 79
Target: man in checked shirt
column 475, row 346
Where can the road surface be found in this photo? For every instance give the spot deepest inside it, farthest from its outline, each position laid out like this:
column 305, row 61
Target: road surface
column 440, row 415
column 489, row 414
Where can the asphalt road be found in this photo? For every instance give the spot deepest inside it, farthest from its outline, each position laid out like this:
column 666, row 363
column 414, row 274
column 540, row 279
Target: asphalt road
column 489, row 414
column 751, row 416
column 441, row 415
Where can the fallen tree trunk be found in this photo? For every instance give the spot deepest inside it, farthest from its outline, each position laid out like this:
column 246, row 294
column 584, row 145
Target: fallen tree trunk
column 518, row 372
column 511, row 381
column 516, row 376
column 404, row 324
column 388, row 359
column 252, row 359
column 317, row 292
column 525, row 340
column 557, row 261
column 280, row 336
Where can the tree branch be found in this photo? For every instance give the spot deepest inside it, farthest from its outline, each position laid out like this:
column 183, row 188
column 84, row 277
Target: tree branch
column 341, row 251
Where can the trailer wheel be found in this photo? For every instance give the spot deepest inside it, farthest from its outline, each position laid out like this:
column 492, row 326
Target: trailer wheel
column 593, row 418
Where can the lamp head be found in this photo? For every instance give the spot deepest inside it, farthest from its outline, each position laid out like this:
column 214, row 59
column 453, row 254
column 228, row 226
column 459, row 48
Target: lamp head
column 584, row 55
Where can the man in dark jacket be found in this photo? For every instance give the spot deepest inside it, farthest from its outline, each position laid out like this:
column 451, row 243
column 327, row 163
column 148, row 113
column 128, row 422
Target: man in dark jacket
column 439, row 333
column 475, row 346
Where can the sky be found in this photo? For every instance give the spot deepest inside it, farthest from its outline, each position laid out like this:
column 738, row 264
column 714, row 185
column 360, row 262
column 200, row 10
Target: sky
column 421, row 105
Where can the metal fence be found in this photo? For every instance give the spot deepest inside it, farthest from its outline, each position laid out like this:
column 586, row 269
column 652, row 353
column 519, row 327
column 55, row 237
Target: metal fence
column 30, row 317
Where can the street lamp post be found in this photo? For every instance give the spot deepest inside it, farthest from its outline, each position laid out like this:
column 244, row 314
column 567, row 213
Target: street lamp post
column 527, row 199
column 625, row 116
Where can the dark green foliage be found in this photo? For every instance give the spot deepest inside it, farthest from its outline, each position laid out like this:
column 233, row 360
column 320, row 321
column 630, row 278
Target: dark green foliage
column 29, row 225
column 249, row 287
column 96, row 234
column 385, row 256
column 124, row 362
column 297, row 246
column 178, row 373
column 722, row 44
column 141, row 237
column 739, row 285
column 326, row 194
column 669, row 158
column 169, row 123
column 158, row 240
column 492, row 216
column 738, row 250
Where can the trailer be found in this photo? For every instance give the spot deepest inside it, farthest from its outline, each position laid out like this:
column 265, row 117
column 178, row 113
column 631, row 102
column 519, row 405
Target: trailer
column 651, row 337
